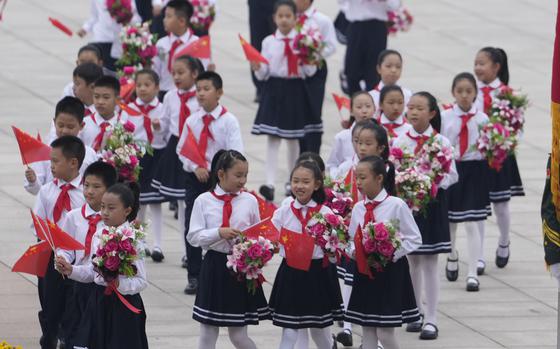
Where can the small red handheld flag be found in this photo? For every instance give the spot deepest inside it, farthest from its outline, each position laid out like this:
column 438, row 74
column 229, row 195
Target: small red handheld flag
column 298, row 248
column 361, row 259
column 31, row 149
column 35, row 260
column 199, row 48
column 126, row 90
column 61, row 26
column 130, row 111
column 350, row 180
column 341, row 102
column 57, row 238
column 266, row 208
column 251, row 53
column 264, row 228
column 191, row 151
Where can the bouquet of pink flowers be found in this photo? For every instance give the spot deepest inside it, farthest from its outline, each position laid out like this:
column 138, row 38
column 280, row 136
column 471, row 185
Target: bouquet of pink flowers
column 118, row 249
column 399, row 20
column 434, row 160
column 139, row 48
column 308, row 45
column 496, row 142
column 415, row 188
column 330, row 233
column 380, row 241
column 400, row 159
column 123, row 152
column 120, row 10
column 339, row 197
column 203, row 14
column 247, row 259
column 509, row 108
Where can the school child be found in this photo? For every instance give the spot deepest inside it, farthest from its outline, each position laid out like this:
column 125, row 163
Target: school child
column 218, row 217
column 83, row 78
column 424, row 116
column 309, row 17
column 381, row 303
column 392, row 111
column 389, row 67
column 491, row 70
column 362, row 108
column 105, row 98
column 55, row 199
column 106, row 322
column 68, row 121
column 305, row 299
column 366, row 39
column 469, row 202
column 106, row 31
column 81, row 224
column 284, row 105
column 213, row 128
column 177, row 23
column 86, row 54
column 261, row 25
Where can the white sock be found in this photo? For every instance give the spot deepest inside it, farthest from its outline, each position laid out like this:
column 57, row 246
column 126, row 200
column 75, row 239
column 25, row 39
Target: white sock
column 482, row 232
column 369, row 339
column 208, row 336
column 289, row 338
column 142, row 213
column 156, row 224
column 302, row 339
column 322, row 337
column 273, row 144
column 453, row 255
column 416, row 275
column 387, row 337
column 240, row 339
column 293, row 152
column 501, row 209
column 346, row 291
column 473, row 242
column 431, row 287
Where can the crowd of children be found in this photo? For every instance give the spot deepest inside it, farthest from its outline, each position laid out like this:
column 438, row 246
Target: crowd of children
column 176, row 109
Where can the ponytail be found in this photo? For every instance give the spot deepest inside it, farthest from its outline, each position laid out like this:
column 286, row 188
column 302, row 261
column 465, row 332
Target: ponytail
column 499, row 56
column 223, row 160
column 379, row 166
column 129, row 194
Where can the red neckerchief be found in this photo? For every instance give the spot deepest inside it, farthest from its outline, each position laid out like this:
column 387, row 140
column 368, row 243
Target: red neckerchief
column 304, row 220
column 92, row 228
column 369, row 216
column 184, row 111
column 227, row 210
column 420, row 140
column 145, row 109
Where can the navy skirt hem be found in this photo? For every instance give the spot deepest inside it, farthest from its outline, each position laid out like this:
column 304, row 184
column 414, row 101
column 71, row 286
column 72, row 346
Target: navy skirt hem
column 468, row 198
column 169, row 177
column 434, row 226
column 507, row 182
column 149, row 165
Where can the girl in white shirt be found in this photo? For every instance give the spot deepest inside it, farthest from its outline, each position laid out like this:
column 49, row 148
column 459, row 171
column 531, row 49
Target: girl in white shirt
column 381, row 303
column 392, row 111
column 304, row 299
column 218, row 217
column 389, row 67
column 424, row 116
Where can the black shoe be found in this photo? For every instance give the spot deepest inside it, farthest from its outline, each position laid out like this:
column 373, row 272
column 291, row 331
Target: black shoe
column 472, row 284
column 147, row 252
column 176, row 214
column 340, row 323
column 157, row 255
column 452, row 275
column 480, row 269
column 428, row 333
column 172, row 205
column 501, row 262
column 267, row 191
column 192, row 287
column 184, row 262
column 345, row 338
column 415, row 326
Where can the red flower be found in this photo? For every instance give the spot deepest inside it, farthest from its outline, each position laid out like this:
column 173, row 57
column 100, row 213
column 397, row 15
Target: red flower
column 129, row 126
column 112, row 263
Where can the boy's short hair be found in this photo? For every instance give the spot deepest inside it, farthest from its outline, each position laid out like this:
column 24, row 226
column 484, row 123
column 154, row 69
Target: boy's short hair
column 152, row 74
column 214, row 77
column 71, row 147
column 102, row 170
column 71, row 106
column 91, row 48
column 183, row 9
column 109, row 82
column 89, row 72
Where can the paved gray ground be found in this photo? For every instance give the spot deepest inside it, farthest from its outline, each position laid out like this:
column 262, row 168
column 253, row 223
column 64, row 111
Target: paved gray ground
column 516, row 307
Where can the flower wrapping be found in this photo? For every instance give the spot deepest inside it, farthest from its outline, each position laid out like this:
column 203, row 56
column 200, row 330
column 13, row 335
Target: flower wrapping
column 139, row 48
column 496, row 142
column 120, row 10
column 248, row 258
column 308, row 44
column 203, row 15
column 330, row 233
column 380, row 241
column 415, row 188
column 399, row 20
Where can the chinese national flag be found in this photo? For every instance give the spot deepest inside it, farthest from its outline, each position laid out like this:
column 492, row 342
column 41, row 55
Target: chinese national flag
column 266, row 208
column 130, row 111
column 264, row 228
column 60, row 26
column 251, row 53
column 361, row 259
column 50, row 232
column 351, row 181
column 341, row 102
column 35, row 260
column 199, row 48
column 31, row 149
column 126, row 90
column 191, row 151
column 299, row 249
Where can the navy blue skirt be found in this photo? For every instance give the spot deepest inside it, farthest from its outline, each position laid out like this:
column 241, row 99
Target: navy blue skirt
column 285, row 110
column 434, row 226
column 149, row 165
column 468, row 198
column 387, row 300
column 169, row 177
column 224, row 300
column 345, row 271
column 316, row 91
column 306, row 299
column 507, row 182
column 77, row 305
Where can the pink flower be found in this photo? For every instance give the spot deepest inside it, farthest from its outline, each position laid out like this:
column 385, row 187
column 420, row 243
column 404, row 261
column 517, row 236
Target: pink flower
column 369, row 245
column 129, row 126
column 127, row 246
column 332, row 219
column 111, row 246
column 381, row 232
column 317, row 229
column 397, row 152
column 133, row 161
column 434, row 190
column 386, row 249
column 255, row 251
column 339, row 206
column 129, row 70
column 266, row 256
column 112, row 263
